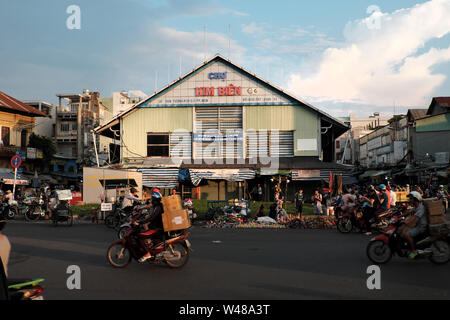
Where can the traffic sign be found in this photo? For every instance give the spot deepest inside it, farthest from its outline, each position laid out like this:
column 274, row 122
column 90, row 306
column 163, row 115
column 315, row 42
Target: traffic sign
column 16, row 161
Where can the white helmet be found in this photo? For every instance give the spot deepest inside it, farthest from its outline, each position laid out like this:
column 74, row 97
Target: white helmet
column 415, row 194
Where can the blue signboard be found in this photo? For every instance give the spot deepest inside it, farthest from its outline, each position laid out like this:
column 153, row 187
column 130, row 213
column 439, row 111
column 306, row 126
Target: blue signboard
column 22, row 154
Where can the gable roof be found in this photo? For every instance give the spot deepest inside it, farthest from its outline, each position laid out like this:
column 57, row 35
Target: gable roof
column 414, row 114
column 11, row 105
column 443, row 102
column 214, row 59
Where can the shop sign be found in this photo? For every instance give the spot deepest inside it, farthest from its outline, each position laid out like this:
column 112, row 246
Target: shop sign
column 227, row 91
column 212, row 137
column 217, row 76
column 442, row 157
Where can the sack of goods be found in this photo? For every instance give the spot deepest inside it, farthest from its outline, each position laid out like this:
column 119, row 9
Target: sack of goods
column 174, row 217
column 436, row 216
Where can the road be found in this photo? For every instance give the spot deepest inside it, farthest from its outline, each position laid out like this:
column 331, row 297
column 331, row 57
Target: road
column 245, row 264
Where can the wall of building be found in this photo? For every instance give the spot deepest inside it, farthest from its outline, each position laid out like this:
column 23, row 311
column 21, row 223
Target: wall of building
column 92, row 188
column 145, row 120
column 16, row 123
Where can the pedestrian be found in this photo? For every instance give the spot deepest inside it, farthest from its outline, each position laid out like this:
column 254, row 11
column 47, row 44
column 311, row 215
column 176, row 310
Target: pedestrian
column 393, row 196
column 5, row 246
column 317, row 202
column 298, row 200
column 260, row 192
column 174, row 192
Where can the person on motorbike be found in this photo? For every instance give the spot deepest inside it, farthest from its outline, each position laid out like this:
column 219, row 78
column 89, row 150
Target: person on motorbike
column 370, row 209
column 8, row 197
column 418, row 219
column 384, row 198
column 154, row 222
column 130, row 200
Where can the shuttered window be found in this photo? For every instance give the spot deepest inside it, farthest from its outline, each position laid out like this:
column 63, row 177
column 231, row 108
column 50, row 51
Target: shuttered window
column 270, row 143
column 214, row 122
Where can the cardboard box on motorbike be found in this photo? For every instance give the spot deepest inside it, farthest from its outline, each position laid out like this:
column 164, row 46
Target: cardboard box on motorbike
column 436, row 217
column 174, row 217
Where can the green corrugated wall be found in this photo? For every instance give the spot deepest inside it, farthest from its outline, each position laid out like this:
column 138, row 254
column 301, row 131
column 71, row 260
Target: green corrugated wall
column 304, row 122
column 436, row 123
column 145, row 120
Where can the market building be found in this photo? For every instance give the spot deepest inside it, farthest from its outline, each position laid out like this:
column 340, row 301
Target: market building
column 219, row 130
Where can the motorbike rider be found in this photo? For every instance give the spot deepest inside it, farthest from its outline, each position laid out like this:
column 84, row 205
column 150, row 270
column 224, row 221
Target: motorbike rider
column 370, row 209
column 154, row 222
column 129, row 201
column 8, row 197
column 418, row 219
column 384, row 198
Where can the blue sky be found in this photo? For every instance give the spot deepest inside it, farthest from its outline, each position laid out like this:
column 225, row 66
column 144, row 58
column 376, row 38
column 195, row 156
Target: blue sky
column 322, row 51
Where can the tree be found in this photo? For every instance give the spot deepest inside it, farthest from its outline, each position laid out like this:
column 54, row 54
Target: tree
column 395, row 118
column 43, row 143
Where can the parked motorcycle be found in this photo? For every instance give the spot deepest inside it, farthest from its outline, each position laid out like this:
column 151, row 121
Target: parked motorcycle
column 382, row 247
column 34, row 209
column 173, row 249
column 23, row 289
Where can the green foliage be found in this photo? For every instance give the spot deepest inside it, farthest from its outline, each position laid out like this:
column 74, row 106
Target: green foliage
column 83, row 210
column 43, row 143
column 201, row 207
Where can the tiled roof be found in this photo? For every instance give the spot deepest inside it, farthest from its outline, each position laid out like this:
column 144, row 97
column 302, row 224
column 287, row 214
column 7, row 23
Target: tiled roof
column 9, row 104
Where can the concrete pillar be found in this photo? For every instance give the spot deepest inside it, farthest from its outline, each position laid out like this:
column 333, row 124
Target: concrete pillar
column 80, row 138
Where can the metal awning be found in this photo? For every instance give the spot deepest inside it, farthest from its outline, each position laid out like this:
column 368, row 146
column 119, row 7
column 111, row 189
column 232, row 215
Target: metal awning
column 117, row 183
column 159, row 177
column 368, row 174
column 233, row 175
column 8, row 178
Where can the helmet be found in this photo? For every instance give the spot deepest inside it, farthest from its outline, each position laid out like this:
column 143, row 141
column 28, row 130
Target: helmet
column 133, row 190
column 382, row 187
column 441, row 186
column 415, row 194
column 156, row 195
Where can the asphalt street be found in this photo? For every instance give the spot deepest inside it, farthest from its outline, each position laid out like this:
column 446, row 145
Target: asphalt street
column 225, row 264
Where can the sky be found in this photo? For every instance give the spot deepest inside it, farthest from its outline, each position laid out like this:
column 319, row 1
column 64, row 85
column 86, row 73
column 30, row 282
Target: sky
column 349, row 56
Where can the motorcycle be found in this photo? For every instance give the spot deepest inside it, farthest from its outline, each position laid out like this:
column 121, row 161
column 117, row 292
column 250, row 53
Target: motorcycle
column 382, row 247
column 190, row 208
column 22, row 289
column 10, row 210
column 173, row 250
column 354, row 218
column 34, row 209
column 125, row 227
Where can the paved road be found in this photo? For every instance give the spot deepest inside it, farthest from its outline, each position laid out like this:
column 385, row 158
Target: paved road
column 246, row 264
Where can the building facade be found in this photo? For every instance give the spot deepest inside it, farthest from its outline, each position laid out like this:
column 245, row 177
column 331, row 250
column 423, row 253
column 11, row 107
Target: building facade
column 222, row 124
column 17, row 122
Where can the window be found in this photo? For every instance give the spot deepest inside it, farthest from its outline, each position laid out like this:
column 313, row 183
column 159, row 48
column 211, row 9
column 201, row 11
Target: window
column 270, row 143
column 158, row 145
column 74, row 107
column 218, row 121
column 74, row 126
column 65, row 127
column 5, row 136
column 23, row 138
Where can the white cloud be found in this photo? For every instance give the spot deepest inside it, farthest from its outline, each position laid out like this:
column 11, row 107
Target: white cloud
column 380, row 66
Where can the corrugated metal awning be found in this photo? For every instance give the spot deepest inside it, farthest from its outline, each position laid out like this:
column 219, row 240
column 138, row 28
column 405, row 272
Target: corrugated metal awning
column 234, row 175
column 159, row 178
